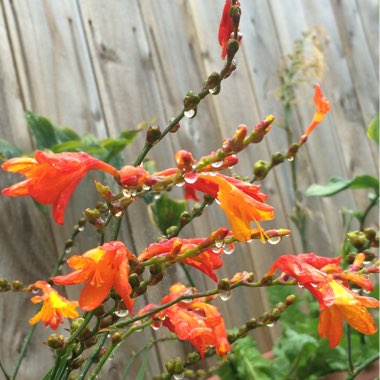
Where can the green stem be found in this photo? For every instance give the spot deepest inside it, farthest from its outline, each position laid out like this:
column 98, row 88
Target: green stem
column 116, row 228
column 366, row 212
column 7, row 377
column 363, row 366
column 351, row 368
column 188, row 275
column 294, row 366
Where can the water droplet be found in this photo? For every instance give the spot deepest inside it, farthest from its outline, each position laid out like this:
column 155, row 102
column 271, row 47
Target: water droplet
column 216, row 250
column 228, row 249
column 81, row 228
column 250, row 240
column 179, row 376
column 274, row 240
column 219, row 243
column 191, row 177
column 212, row 174
column 217, row 201
column 156, row 325
column 314, row 285
column 157, row 196
column 225, row 295
column 126, row 193
column 67, row 250
column 136, row 325
column 366, row 262
column 121, row 313
column 145, row 187
column 217, row 164
column 133, row 192
column 180, row 184
column 35, row 290
column 366, row 291
column 213, row 90
column 355, row 290
column 119, row 214
column 290, row 159
column 108, row 336
column 270, row 324
column 190, row 113
column 300, row 286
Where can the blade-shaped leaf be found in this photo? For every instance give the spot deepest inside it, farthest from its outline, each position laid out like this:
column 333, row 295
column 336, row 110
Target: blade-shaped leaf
column 42, row 129
column 373, row 129
column 66, row 134
column 8, row 151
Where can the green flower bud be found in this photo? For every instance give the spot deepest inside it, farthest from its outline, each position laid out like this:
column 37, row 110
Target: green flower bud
column 56, row 341
column 251, row 324
column 232, row 48
column 261, row 169
column 290, row 299
column 116, row 338
column 153, row 134
column 77, row 362
column 17, row 285
column 277, row 158
column 224, row 285
column 357, row 239
column 370, row 234
column 75, row 324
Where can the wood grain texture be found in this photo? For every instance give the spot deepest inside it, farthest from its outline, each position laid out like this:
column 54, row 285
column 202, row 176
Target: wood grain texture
column 103, row 67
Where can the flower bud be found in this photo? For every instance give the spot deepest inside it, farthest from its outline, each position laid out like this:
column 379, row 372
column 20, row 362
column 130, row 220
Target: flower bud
column 171, row 230
column 357, row 239
column 235, row 13
column 90, row 342
column 266, row 280
column 261, row 169
column 106, row 321
column 116, row 338
column 155, row 269
column 184, row 160
column 191, row 101
column 193, row 357
column 232, row 48
column 153, row 134
column 277, row 158
column 56, row 341
column 200, row 373
column 213, row 80
column 104, row 191
column 77, row 362
column 17, row 285
column 251, row 324
column 141, row 290
column 184, row 218
column 370, row 234
column 91, row 215
column 232, row 67
column 292, row 151
column 133, row 176
column 175, row 128
column 4, row 285
column 75, row 324
column 224, row 285
column 175, row 366
column 290, row 299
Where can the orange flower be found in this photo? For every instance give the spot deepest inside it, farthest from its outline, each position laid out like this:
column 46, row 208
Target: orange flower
column 241, row 201
column 344, row 306
column 337, row 303
column 52, row 178
column 133, row 176
column 322, row 106
column 197, row 321
column 226, row 27
column 54, row 308
column 207, row 261
column 101, row 268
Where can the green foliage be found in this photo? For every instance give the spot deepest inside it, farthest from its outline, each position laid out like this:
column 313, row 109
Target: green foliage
column 373, row 129
column 8, row 151
column 166, row 212
column 338, row 184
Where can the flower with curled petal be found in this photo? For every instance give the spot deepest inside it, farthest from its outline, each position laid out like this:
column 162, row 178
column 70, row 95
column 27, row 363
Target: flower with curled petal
column 101, row 269
column 54, row 307
column 52, row 178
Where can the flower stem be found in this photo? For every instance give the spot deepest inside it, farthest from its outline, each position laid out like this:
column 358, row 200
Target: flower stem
column 7, row 377
column 351, row 368
column 363, row 366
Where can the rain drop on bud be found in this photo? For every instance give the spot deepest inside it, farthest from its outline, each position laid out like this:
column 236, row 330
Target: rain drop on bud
column 136, row 325
column 179, row 376
column 225, row 295
column 119, row 214
column 121, row 313
column 189, row 113
column 191, row 177
column 67, row 250
column 126, row 193
column 314, row 285
column 156, row 325
column 366, row 291
column 35, row 290
column 274, row 240
column 355, row 290
column 270, row 324
column 213, row 90
column 219, row 243
column 290, row 159
column 366, row 262
column 217, row 164
column 216, row 250
column 300, row 286
column 81, row 228
column 157, row 196
column 133, row 192
column 145, row 187
column 228, row 249
column 180, row 184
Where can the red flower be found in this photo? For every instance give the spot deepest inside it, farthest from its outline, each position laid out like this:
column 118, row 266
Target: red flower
column 207, row 261
column 322, row 106
column 54, row 308
column 226, row 27
column 133, row 176
column 241, row 201
column 337, row 302
column 101, row 268
column 52, row 178
column 198, row 322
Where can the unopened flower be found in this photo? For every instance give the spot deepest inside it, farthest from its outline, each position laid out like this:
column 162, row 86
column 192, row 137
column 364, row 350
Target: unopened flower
column 52, row 178
column 322, row 106
column 54, row 307
column 101, row 269
column 133, row 176
column 241, row 201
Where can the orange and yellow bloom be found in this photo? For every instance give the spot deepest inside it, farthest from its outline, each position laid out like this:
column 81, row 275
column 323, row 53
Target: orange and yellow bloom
column 54, row 307
column 52, row 178
column 196, row 321
column 337, row 303
column 226, row 27
column 322, row 106
column 241, row 201
column 101, row 269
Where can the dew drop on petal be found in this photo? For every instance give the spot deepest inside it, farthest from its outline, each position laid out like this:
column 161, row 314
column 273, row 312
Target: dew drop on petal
column 121, row 313
column 314, row 285
column 225, row 295
column 366, row 291
column 191, row 177
column 216, row 250
column 156, row 325
column 217, row 164
column 274, row 240
column 366, row 262
column 189, row 113
column 228, row 249
column 136, row 325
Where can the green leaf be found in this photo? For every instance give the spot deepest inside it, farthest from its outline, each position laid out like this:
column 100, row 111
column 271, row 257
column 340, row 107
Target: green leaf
column 42, row 129
column 141, row 374
column 373, row 129
column 166, row 212
column 69, row 146
column 66, row 134
column 129, row 135
column 8, row 151
column 338, row 184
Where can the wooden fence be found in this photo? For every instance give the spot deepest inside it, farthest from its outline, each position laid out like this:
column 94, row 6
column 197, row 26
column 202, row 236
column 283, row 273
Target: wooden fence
column 104, row 66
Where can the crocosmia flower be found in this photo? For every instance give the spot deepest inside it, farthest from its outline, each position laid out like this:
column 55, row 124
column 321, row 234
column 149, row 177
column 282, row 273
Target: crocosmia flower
column 322, row 106
column 133, row 176
column 52, row 178
column 226, row 27
column 101, row 269
column 241, row 201
column 196, row 321
column 207, row 261
column 54, row 307
column 337, row 303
